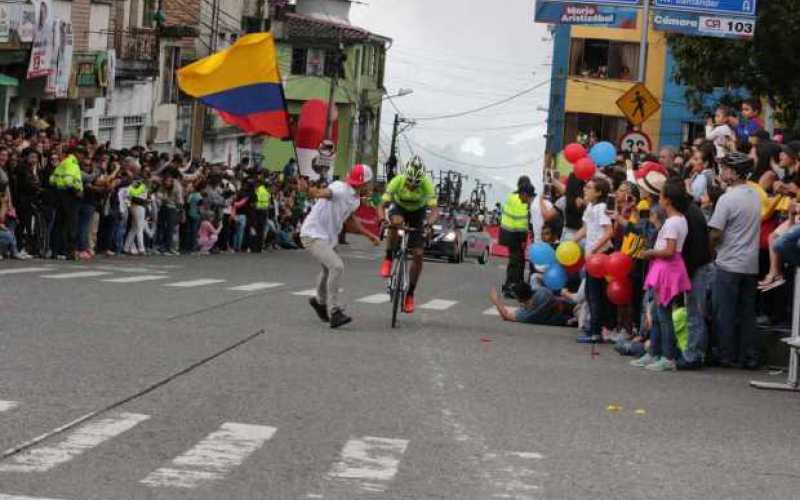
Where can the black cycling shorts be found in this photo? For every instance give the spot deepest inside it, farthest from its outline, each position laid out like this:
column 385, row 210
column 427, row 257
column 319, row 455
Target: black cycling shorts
column 414, row 220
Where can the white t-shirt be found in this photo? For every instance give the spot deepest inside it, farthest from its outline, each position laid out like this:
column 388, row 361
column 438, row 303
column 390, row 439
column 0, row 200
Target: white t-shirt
column 720, row 135
column 327, row 216
column 537, row 218
column 596, row 220
column 674, row 228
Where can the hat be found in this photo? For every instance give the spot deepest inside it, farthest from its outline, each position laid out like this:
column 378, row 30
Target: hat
column 360, row 175
column 652, row 183
column 789, row 151
column 650, row 166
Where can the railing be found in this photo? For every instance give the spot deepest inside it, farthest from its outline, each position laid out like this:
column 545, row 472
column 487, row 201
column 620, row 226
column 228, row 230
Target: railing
column 135, row 44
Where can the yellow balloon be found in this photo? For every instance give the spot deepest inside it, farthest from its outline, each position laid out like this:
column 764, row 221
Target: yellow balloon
column 568, row 253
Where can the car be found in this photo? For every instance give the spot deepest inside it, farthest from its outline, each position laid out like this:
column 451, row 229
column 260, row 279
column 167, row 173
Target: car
column 456, row 237
column 477, row 241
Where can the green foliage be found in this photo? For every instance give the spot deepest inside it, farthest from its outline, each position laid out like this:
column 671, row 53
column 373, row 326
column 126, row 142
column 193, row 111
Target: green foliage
column 767, row 66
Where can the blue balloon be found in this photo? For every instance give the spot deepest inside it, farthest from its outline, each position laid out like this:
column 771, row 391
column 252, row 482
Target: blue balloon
column 542, row 254
column 555, row 278
column 603, row 154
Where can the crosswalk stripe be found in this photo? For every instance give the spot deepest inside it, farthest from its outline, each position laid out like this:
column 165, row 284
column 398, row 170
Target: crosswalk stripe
column 306, row 293
column 136, row 279
column 254, row 287
column 23, row 270
column 123, row 269
column 438, row 304
column 85, row 437
column 369, row 463
column 22, row 497
column 77, row 274
column 194, row 283
column 7, row 405
column 213, row 457
column 378, row 298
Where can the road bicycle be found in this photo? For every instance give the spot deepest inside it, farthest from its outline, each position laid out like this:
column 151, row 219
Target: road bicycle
column 397, row 284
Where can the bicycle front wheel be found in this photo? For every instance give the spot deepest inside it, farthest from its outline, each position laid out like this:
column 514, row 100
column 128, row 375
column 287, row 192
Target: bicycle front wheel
column 397, row 290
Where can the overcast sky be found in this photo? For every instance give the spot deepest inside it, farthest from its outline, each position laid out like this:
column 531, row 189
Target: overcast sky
column 458, row 55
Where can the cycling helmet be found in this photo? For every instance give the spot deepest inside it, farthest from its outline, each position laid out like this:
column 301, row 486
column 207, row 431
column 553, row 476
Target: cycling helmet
column 415, row 170
column 740, row 163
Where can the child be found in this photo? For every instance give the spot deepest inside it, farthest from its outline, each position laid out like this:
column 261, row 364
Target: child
column 597, row 232
column 667, row 278
column 719, row 131
column 750, row 123
column 207, row 235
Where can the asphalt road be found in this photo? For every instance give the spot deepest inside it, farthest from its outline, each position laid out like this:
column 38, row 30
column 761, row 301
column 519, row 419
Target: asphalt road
column 454, row 404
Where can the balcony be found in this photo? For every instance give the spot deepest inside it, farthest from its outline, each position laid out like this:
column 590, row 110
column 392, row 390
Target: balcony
column 137, row 53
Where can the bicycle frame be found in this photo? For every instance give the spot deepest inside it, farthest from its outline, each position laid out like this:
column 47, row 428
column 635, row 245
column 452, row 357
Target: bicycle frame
column 397, row 285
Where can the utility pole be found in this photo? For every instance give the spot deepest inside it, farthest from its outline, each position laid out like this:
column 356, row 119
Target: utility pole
column 199, row 111
column 391, row 163
column 645, row 27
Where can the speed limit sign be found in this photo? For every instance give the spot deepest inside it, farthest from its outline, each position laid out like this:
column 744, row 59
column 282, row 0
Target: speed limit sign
column 635, row 142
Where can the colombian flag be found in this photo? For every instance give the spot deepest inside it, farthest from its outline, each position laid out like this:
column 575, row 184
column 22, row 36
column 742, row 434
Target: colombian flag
column 243, row 83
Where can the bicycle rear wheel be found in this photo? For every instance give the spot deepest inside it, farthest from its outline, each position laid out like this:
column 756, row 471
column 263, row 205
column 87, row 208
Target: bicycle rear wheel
column 397, row 289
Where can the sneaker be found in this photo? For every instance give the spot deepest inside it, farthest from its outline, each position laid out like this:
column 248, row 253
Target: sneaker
column 20, row 256
column 644, row 360
column 662, row 365
column 320, row 309
column 338, row 318
column 408, row 304
column 386, row 268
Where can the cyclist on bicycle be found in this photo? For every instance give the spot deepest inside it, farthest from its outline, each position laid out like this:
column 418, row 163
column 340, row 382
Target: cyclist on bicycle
column 412, row 202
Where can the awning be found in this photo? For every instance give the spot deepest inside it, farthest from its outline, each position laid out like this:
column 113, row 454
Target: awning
column 7, row 81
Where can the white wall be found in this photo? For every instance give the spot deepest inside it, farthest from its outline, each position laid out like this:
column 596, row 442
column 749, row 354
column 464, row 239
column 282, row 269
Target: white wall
column 63, row 10
column 127, row 100
column 98, row 21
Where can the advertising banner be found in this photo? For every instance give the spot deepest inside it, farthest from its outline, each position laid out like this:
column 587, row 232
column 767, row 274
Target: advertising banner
column 63, row 70
column 44, row 40
column 718, row 7
column 696, row 24
column 610, row 16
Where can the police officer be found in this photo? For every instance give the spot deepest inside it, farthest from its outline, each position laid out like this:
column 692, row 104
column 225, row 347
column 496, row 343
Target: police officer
column 514, row 232
column 262, row 202
column 68, row 183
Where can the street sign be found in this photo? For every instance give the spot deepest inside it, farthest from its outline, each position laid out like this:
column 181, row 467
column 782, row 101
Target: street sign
column 628, row 3
column 635, row 142
column 638, row 104
column 696, row 24
column 719, row 7
column 591, row 14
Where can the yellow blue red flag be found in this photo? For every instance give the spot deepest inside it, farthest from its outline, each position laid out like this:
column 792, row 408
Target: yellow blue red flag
column 243, row 83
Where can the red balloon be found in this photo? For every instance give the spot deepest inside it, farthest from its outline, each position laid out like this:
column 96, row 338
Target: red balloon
column 620, row 292
column 596, row 265
column 619, row 265
column 576, row 267
column 574, row 152
column 585, row 169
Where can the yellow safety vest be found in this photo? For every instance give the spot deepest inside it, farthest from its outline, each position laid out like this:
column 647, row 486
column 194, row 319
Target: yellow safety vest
column 262, row 198
column 138, row 190
column 67, row 175
column 515, row 215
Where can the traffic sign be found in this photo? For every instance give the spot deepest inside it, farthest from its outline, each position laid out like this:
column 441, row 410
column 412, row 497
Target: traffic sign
column 635, row 142
column 719, row 7
column 638, row 104
column 696, row 24
column 628, row 3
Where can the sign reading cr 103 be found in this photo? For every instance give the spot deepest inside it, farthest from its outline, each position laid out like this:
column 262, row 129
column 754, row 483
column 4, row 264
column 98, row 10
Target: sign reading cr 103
column 695, row 24
column 720, row 7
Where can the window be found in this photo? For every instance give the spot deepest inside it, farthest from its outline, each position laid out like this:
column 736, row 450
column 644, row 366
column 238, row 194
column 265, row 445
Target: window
column 87, row 124
column 148, row 9
column 331, row 63
column 299, row 61
column 604, row 59
column 594, row 127
column 132, row 130
column 315, row 62
column 105, row 129
column 172, row 61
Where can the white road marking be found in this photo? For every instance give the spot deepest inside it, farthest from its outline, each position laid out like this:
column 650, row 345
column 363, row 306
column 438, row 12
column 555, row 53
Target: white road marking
column 438, row 304
column 137, row 279
column 23, row 270
column 84, row 438
column 369, row 463
column 378, row 298
column 194, row 283
column 77, row 274
column 22, row 497
column 306, row 293
column 254, row 287
column 213, row 457
column 129, row 269
column 7, row 405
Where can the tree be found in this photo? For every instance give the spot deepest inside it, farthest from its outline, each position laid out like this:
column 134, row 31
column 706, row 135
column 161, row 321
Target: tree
column 767, row 66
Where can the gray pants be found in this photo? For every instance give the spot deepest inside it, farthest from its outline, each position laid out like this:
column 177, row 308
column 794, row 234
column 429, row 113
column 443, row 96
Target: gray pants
column 332, row 269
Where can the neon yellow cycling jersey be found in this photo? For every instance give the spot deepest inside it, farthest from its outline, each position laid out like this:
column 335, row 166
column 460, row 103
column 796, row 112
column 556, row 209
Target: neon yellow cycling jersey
column 411, row 201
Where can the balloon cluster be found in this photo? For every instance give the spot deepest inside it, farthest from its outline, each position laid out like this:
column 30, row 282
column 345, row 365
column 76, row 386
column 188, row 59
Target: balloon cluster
column 585, row 163
column 616, row 269
column 558, row 264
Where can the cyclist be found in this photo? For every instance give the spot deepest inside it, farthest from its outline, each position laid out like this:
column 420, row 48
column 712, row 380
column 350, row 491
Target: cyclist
column 412, row 202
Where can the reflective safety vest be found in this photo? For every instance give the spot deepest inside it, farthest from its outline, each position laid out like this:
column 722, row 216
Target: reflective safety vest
column 67, row 175
column 515, row 215
column 138, row 191
column 262, row 198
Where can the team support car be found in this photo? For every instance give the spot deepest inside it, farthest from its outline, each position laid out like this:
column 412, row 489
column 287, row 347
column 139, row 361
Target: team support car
column 457, row 237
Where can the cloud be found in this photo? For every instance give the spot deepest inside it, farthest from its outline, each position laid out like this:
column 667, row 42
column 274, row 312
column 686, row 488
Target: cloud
column 474, row 146
column 528, row 135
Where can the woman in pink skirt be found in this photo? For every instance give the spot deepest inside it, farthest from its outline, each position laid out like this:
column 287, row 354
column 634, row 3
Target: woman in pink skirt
column 207, row 235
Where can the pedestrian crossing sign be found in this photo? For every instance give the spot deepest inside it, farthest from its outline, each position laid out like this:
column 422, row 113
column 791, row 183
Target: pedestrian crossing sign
column 638, row 104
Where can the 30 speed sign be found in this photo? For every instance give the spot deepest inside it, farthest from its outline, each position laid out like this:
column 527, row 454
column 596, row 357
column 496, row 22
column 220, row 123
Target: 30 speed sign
column 635, row 142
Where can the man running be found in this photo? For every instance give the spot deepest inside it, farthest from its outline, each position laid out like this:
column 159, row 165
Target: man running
column 409, row 196
column 334, row 210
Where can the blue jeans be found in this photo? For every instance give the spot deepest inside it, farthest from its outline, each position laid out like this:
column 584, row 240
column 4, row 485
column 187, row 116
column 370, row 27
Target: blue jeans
column 238, row 236
column 167, row 222
column 662, row 336
column 85, row 214
column 696, row 312
column 8, row 243
column 788, row 246
column 119, row 231
column 733, row 298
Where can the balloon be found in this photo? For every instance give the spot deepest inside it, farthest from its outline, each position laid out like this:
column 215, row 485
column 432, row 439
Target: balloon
column 555, row 278
column 576, row 267
column 596, row 265
column 620, row 292
column 574, row 152
column 568, row 253
column 585, row 169
column 619, row 265
column 603, row 154
column 542, row 254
